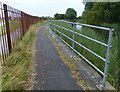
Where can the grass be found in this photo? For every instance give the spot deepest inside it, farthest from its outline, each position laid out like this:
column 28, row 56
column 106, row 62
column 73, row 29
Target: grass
column 13, row 25
column 101, row 50
column 19, row 67
column 2, row 30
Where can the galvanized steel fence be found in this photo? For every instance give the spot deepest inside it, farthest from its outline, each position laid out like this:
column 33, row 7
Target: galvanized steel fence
column 13, row 26
column 59, row 33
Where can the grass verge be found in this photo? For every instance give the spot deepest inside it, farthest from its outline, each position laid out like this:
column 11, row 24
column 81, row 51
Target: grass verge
column 19, row 66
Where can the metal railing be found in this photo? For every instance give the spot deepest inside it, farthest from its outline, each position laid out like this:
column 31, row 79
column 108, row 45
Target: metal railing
column 52, row 26
column 13, row 26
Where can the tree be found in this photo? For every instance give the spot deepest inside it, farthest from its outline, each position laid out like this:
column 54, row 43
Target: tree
column 89, row 6
column 101, row 12
column 56, row 16
column 61, row 16
column 79, row 17
column 71, row 13
column 108, row 10
column 92, row 17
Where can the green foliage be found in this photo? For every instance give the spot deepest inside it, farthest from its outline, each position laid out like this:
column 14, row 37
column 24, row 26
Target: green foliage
column 79, row 17
column 110, row 11
column 56, row 16
column 71, row 13
column 89, row 6
column 102, row 12
column 59, row 16
column 92, row 17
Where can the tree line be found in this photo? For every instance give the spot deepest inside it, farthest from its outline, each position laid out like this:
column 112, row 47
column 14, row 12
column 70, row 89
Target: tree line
column 70, row 14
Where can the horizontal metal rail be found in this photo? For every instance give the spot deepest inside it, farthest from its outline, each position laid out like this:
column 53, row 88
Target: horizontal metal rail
column 78, row 52
column 82, row 35
column 73, row 32
column 97, row 27
column 82, row 46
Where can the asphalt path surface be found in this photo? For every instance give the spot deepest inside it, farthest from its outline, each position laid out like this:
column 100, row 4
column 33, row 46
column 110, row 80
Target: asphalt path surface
column 52, row 73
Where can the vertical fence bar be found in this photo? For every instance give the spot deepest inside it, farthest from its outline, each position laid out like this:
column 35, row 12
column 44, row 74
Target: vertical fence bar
column 12, row 32
column 55, row 33
column 107, row 57
column 73, row 37
column 7, row 27
column 102, row 86
column 5, row 39
column 49, row 27
column 22, row 23
column 2, row 33
column 61, row 29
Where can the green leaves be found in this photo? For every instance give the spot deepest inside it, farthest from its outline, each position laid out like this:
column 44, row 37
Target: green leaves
column 71, row 13
column 101, row 12
column 60, row 16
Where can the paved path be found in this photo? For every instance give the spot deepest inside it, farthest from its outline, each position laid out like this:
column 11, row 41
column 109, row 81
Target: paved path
column 52, row 73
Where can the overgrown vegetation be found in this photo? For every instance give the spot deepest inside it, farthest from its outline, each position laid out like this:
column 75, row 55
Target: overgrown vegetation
column 18, row 67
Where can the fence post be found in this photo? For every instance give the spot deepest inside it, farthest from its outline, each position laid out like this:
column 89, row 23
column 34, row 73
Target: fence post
column 7, row 27
column 73, row 37
column 55, row 33
column 22, row 23
column 61, row 29
column 103, row 84
column 49, row 27
column 107, row 56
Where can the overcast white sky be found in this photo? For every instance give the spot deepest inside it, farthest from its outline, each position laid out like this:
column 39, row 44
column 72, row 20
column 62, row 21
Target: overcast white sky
column 46, row 7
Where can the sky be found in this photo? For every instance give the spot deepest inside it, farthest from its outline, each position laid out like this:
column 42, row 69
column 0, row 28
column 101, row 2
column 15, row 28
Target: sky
column 46, row 7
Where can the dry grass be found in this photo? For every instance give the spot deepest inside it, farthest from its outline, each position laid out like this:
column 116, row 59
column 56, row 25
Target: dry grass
column 18, row 70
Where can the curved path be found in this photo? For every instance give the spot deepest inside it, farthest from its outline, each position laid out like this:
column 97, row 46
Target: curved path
column 52, row 73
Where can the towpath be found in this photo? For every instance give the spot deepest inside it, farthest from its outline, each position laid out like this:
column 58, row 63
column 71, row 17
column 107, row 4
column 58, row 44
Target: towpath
column 52, row 73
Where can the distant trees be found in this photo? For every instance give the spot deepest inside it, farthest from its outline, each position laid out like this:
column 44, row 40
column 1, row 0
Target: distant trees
column 70, row 14
column 56, row 16
column 60, row 16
